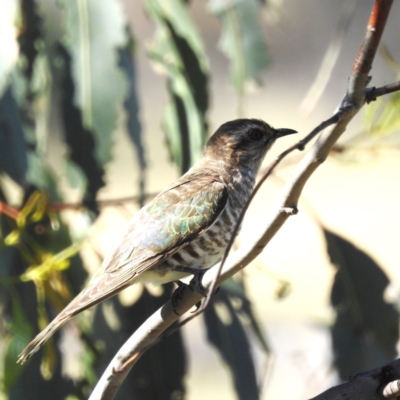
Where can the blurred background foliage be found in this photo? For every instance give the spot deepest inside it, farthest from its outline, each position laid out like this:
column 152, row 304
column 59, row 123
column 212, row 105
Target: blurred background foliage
column 68, row 79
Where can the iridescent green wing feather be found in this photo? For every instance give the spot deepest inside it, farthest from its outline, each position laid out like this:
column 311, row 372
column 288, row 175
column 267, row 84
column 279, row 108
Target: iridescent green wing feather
column 173, row 218
column 176, row 216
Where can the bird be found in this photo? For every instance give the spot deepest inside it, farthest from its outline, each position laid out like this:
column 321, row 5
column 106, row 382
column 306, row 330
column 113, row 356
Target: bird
column 184, row 229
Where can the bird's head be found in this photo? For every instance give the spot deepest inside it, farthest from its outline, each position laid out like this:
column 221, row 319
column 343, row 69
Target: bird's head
column 243, row 142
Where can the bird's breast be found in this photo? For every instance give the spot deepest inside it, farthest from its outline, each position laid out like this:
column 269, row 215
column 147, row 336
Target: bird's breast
column 205, row 250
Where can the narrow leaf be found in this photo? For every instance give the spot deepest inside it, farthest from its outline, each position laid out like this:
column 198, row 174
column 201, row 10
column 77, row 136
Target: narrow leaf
column 366, row 330
column 13, row 157
column 20, row 333
column 242, row 39
column 381, row 117
column 178, row 52
column 132, row 108
column 29, row 40
column 94, row 32
column 236, row 290
column 226, row 333
column 81, row 142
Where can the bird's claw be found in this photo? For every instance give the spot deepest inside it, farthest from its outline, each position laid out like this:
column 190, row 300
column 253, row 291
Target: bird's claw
column 197, row 305
column 177, row 295
column 196, row 285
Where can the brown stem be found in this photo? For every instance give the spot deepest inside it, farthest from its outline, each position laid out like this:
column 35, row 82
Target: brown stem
column 8, row 210
column 372, row 93
column 376, row 25
column 363, row 62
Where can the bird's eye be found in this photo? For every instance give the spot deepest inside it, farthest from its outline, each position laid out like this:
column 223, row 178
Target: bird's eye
column 255, row 134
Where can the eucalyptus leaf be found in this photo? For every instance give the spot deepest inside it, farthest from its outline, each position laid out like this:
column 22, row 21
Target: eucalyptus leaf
column 132, row 108
column 20, row 333
column 178, row 52
column 84, row 168
column 13, row 156
column 41, row 177
column 236, row 290
column 95, row 30
column 382, row 118
column 366, row 330
column 242, row 39
column 226, row 333
column 29, row 40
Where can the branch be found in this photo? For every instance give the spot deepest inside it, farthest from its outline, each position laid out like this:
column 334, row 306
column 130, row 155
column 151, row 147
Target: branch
column 154, row 328
column 8, row 210
column 377, row 384
column 363, row 62
column 372, row 93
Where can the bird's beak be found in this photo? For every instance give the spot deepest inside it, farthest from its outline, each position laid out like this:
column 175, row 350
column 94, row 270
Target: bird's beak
column 283, row 132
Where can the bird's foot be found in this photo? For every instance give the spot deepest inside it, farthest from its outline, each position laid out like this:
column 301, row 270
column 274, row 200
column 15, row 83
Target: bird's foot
column 195, row 284
column 177, row 295
column 197, row 305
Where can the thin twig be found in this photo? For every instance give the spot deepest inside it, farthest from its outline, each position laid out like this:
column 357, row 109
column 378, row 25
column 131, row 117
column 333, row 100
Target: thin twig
column 372, row 93
column 8, row 210
column 100, row 203
column 370, row 385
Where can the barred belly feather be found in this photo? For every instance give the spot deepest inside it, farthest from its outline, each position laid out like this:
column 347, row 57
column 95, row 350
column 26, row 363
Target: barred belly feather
column 207, row 249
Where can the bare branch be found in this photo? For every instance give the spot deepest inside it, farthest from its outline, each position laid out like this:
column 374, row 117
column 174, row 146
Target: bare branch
column 371, row 385
column 372, row 93
column 363, row 62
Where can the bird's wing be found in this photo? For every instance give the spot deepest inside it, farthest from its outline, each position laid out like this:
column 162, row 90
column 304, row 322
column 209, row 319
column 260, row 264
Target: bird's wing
column 182, row 212
column 172, row 219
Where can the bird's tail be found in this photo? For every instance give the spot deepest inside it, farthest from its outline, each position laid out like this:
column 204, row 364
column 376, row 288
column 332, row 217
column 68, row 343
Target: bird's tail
column 95, row 292
column 87, row 298
column 43, row 336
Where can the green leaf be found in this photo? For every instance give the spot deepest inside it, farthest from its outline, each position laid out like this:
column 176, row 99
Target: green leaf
column 382, row 117
column 227, row 334
column 29, row 40
column 8, row 41
column 366, row 329
column 132, row 109
column 13, row 157
column 94, row 32
column 236, row 291
column 178, row 52
column 84, row 168
column 242, row 39
column 19, row 336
